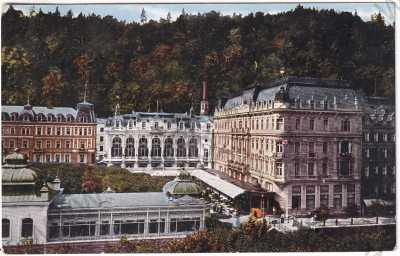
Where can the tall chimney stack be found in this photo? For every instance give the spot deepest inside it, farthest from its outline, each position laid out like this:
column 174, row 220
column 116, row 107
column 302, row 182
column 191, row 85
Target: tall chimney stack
column 204, row 102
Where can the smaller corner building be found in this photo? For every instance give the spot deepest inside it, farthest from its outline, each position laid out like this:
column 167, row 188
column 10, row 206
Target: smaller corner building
column 379, row 155
column 50, row 134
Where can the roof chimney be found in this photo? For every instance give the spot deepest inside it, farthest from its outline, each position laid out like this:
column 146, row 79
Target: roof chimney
column 205, row 90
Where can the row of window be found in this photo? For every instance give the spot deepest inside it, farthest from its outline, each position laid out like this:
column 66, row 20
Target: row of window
column 57, row 158
column 26, row 229
column 379, row 137
column 179, row 125
column 49, row 130
column 277, row 146
column 122, row 227
column 345, row 168
column 43, row 118
column 277, row 124
column 310, row 194
column 379, row 170
column 381, row 153
column 116, row 149
column 49, row 144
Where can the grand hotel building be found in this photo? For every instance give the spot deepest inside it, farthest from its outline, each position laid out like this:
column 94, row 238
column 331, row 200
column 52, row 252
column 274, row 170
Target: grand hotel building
column 50, row 134
column 156, row 140
column 298, row 138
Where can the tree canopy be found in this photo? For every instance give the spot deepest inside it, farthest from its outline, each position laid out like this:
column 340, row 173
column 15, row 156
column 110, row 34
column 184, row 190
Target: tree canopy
column 50, row 57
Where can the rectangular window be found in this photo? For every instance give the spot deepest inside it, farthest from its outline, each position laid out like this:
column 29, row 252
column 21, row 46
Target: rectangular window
column 325, row 147
column 25, row 144
column 156, row 125
column 48, row 144
column 104, row 228
column 278, row 166
column 311, row 124
column 48, row 158
column 337, row 196
column 68, row 131
column 279, row 147
column 325, row 124
column 85, row 131
column 366, row 136
column 58, row 144
column 296, row 197
column 67, row 144
column 296, row 169
column 11, row 144
column 311, row 149
column 351, row 194
column 297, row 147
column 169, row 125
column 58, row 131
column 48, row 130
column 39, row 144
column 58, row 158
column 101, row 129
column 39, row 131
column 297, row 124
column 311, row 169
column 67, row 158
column 81, row 158
column 101, row 138
column 101, row 149
column 310, row 197
column 367, row 171
column 324, row 168
column 324, row 196
column 157, row 226
column 279, row 123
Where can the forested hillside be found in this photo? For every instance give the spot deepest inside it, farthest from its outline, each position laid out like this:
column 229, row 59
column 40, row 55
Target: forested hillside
column 50, row 57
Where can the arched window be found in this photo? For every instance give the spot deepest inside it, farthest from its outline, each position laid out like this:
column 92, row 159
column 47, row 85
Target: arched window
column 143, row 151
column 168, row 148
column 193, row 150
column 5, row 228
column 60, row 118
column 156, row 147
column 116, row 150
column 130, row 147
column 27, row 227
column 14, row 116
column 181, row 148
column 41, row 118
column 70, row 118
column 26, row 117
column 50, row 117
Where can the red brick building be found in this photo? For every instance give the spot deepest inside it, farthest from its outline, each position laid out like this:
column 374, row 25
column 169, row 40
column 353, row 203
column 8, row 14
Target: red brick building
column 50, row 134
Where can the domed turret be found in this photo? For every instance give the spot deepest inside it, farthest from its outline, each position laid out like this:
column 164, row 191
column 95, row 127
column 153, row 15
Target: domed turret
column 15, row 170
column 181, row 186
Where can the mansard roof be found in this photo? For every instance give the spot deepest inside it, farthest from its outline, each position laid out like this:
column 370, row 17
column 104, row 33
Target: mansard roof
column 40, row 110
column 155, row 116
column 117, row 200
column 302, row 89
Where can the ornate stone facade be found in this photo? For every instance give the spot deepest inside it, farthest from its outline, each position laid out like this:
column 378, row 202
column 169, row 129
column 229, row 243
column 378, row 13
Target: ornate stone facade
column 297, row 137
column 155, row 140
column 56, row 134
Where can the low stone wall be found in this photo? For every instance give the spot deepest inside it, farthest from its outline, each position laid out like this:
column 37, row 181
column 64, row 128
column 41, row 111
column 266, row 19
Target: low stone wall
column 91, row 247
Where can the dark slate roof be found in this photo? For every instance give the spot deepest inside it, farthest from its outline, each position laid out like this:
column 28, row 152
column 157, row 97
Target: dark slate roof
column 117, row 200
column 43, row 110
column 246, row 96
column 304, row 88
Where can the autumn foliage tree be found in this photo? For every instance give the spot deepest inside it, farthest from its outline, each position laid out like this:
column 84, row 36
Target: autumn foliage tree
column 90, row 182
